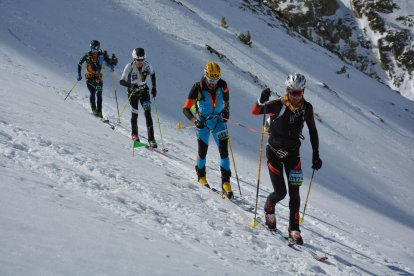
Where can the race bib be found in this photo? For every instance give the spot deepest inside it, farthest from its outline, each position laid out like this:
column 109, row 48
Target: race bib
column 222, row 135
column 146, row 105
column 295, row 177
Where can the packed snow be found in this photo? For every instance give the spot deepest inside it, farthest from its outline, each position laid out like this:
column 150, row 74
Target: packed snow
column 76, row 200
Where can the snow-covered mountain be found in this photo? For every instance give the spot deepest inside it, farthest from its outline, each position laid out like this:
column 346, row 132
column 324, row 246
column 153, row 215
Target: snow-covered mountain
column 376, row 37
column 75, row 201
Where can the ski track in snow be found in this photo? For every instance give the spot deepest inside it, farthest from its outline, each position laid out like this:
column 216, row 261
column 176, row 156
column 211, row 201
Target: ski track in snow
column 135, row 200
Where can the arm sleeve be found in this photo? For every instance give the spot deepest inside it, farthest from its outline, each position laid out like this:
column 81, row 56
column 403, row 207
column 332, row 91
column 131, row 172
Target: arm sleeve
column 271, row 108
column 81, row 61
column 153, row 80
column 124, row 75
column 313, row 132
column 191, row 100
column 226, row 92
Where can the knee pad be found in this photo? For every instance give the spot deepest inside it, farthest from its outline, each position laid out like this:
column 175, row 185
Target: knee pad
column 202, row 149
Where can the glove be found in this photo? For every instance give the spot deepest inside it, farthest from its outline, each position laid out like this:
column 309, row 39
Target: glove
column 226, row 113
column 154, row 92
column 79, row 77
column 264, row 97
column 114, row 60
column 199, row 124
column 316, row 162
column 112, row 67
column 135, row 90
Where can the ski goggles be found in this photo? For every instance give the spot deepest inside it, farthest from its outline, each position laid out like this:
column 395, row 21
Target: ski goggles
column 94, row 49
column 139, row 59
column 212, row 81
column 296, row 93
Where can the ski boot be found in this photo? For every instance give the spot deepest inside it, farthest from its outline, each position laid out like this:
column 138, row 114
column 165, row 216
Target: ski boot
column 295, row 237
column 270, row 216
column 203, row 181
column 94, row 111
column 99, row 114
column 135, row 138
column 226, row 190
column 153, row 144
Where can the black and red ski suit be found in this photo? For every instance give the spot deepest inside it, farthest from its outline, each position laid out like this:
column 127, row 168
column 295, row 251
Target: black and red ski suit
column 285, row 132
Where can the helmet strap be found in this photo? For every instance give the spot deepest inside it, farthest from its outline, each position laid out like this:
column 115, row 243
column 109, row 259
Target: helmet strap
column 292, row 108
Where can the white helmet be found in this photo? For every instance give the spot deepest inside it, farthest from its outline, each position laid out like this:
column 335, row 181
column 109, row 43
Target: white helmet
column 295, row 81
column 138, row 53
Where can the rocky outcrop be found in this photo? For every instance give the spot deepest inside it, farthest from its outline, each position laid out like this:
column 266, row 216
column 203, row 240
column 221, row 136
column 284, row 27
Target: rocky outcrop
column 335, row 27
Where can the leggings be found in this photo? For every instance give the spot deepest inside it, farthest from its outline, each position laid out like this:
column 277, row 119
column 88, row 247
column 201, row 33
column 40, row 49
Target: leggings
column 292, row 166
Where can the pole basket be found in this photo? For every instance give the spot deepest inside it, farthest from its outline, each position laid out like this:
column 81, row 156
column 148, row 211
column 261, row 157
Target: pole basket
column 179, row 126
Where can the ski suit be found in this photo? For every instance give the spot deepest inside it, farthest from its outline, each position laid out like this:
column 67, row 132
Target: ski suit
column 93, row 75
column 282, row 151
column 138, row 92
column 209, row 104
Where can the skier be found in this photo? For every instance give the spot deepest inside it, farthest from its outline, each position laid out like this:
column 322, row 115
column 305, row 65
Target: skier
column 287, row 117
column 210, row 97
column 134, row 78
column 95, row 59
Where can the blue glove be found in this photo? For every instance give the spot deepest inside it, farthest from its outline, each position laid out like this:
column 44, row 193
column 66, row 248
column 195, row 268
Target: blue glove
column 79, row 77
column 112, row 67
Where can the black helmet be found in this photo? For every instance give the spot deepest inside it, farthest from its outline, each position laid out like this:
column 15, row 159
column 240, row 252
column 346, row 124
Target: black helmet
column 95, row 45
column 138, row 53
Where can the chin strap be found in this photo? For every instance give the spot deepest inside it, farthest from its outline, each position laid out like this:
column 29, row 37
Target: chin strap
column 286, row 102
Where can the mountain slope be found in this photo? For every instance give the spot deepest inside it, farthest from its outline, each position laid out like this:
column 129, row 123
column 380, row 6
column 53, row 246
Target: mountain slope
column 79, row 168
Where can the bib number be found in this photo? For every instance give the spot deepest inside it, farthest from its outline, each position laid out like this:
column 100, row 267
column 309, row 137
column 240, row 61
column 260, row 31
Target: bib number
column 222, row 135
column 146, row 105
column 295, row 178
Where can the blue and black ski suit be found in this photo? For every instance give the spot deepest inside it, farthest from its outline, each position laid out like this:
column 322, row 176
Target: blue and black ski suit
column 209, row 105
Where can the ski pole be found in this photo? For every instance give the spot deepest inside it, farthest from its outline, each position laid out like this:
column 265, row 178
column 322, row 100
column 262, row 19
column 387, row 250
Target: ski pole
column 254, row 222
column 116, row 97
column 73, row 87
column 125, row 105
column 180, row 126
column 234, row 161
column 307, row 197
column 159, row 125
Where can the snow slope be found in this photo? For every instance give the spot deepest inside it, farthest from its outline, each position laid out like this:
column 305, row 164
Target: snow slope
column 75, row 201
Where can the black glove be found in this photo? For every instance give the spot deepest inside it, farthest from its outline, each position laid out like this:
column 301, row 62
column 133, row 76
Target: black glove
column 154, row 92
column 226, row 113
column 264, row 97
column 316, row 162
column 114, row 60
column 199, row 124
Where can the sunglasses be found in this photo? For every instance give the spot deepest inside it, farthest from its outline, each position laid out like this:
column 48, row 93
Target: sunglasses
column 295, row 93
column 212, row 81
column 139, row 59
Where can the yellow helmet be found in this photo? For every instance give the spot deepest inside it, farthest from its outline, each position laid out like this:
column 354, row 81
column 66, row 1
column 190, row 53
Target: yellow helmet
column 212, row 70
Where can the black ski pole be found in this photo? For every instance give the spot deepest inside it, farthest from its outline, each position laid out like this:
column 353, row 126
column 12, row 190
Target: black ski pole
column 116, row 97
column 73, row 87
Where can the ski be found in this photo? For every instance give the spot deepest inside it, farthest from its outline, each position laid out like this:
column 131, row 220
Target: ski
column 239, row 202
column 106, row 121
column 297, row 247
column 162, row 151
column 245, row 206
